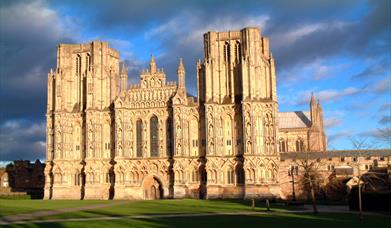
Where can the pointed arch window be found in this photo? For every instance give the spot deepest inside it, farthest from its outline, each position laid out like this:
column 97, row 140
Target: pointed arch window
column 299, row 144
column 237, row 52
column 139, row 135
column 78, row 65
column 88, row 62
column 283, row 145
column 169, row 137
column 154, row 136
column 227, row 52
column 230, row 176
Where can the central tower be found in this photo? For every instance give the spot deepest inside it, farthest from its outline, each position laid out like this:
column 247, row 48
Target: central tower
column 237, row 92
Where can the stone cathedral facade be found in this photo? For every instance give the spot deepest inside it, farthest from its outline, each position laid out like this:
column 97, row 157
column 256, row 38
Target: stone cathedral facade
column 110, row 140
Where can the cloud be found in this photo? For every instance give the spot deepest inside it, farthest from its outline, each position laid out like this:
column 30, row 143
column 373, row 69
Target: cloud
column 182, row 36
column 385, row 120
column 325, row 95
column 22, row 139
column 332, row 122
column 385, row 107
column 30, row 32
column 366, row 37
column 339, row 135
column 382, row 86
column 381, row 136
column 377, row 69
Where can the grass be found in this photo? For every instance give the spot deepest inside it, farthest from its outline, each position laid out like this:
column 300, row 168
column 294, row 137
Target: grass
column 268, row 220
column 156, row 207
column 10, row 207
column 277, row 218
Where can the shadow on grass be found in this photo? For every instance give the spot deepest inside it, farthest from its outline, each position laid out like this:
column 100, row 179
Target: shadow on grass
column 268, row 220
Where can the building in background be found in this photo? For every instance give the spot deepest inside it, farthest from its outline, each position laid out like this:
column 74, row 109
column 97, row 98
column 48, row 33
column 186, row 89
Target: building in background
column 22, row 178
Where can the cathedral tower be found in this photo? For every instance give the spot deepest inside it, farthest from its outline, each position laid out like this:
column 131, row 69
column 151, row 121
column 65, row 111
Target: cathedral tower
column 79, row 120
column 237, row 90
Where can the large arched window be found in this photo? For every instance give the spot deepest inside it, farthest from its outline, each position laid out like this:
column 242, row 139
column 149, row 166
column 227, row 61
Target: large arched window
column 78, row 65
column 227, row 54
column 193, row 136
column 169, row 137
column 228, row 135
column 194, row 175
column 88, row 62
column 139, row 132
column 239, row 175
column 230, row 176
column 154, row 136
column 299, row 145
column 237, row 52
column 259, row 136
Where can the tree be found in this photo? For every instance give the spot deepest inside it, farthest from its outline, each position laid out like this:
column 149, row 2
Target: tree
column 310, row 175
column 359, row 144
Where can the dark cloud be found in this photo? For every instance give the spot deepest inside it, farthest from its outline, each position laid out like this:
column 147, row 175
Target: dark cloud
column 377, row 69
column 30, row 32
column 385, row 120
column 20, row 139
column 366, row 38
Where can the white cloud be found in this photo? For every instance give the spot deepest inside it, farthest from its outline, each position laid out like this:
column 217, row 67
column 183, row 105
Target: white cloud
column 289, row 37
column 332, row 122
column 188, row 27
column 304, row 97
column 382, row 86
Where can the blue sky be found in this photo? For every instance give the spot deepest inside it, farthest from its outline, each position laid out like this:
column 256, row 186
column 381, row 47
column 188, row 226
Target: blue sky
column 340, row 50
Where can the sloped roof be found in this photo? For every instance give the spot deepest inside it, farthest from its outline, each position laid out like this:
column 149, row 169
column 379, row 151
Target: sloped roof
column 297, row 119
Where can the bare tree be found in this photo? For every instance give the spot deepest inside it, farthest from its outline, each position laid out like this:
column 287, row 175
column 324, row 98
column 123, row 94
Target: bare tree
column 311, row 175
column 359, row 144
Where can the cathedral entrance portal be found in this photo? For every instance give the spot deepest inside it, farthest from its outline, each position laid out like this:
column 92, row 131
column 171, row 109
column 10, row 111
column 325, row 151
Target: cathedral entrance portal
column 153, row 188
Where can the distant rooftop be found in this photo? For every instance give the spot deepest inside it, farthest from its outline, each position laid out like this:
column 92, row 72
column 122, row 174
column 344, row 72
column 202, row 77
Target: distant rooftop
column 336, row 153
column 297, row 119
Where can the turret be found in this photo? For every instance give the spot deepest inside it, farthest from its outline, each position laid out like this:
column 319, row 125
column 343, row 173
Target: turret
column 152, row 65
column 320, row 115
column 51, row 91
column 313, row 112
column 124, row 78
column 181, row 73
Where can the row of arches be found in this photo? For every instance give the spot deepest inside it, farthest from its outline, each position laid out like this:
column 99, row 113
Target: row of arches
column 237, row 52
column 232, row 176
column 299, row 145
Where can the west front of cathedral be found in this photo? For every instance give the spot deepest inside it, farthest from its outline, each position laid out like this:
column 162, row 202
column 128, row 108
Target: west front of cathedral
column 151, row 140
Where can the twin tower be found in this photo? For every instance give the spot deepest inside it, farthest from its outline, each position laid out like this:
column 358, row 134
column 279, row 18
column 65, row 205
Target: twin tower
column 110, row 140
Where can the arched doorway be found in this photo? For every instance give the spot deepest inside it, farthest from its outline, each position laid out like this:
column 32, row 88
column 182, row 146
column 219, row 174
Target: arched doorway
column 153, row 188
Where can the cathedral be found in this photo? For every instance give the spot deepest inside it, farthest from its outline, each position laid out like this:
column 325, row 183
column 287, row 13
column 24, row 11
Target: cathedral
column 152, row 140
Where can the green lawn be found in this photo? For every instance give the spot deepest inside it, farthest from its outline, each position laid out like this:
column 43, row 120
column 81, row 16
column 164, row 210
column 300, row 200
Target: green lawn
column 278, row 217
column 269, row 220
column 186, row 206
column 10, row 207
